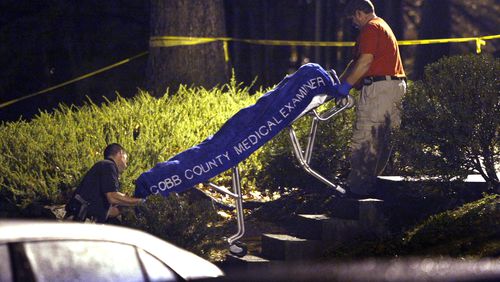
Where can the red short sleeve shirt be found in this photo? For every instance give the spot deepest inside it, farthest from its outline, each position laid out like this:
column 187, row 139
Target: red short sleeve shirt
column 377, row 38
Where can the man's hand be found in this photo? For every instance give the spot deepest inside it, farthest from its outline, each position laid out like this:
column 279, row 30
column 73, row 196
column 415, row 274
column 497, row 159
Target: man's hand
column 141, row 203
column 120, row 199
column 140, row 208
column 113, row 211
column 342, row 90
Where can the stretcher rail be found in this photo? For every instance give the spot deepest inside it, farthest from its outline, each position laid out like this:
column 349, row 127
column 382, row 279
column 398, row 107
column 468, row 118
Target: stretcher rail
column 303, row 156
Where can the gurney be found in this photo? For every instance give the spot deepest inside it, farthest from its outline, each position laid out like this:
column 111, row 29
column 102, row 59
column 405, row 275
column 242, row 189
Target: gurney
column 295, row 96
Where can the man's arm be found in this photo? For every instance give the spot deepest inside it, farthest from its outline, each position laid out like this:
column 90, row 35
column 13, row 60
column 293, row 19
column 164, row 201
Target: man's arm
column 354, row 71
column 357, row 69
column 117, row 198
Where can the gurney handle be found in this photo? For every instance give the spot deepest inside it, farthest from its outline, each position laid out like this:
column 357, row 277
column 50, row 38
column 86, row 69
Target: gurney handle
column 342, row 104
column 222, row 190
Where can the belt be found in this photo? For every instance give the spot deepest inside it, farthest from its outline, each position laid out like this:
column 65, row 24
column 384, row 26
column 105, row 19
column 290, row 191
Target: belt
column 371, row 79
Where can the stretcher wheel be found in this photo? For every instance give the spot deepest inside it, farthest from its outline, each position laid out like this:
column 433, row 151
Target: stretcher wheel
column 238, row 249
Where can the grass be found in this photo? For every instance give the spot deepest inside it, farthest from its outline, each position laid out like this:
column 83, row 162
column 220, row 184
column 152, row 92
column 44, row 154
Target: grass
column 471, row 230
column 42, row 159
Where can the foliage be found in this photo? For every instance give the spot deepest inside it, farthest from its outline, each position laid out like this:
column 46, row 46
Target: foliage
column 192, row 225
column 451, row 119
column 329, row 158
column 471, row 230
column 42, row 159
column 468, row 230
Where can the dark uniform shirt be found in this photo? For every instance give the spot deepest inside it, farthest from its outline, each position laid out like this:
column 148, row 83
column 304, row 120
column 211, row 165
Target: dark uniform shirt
column 102, row 178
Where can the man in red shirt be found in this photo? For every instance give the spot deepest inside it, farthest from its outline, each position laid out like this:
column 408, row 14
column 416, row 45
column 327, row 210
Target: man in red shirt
column 377, row 70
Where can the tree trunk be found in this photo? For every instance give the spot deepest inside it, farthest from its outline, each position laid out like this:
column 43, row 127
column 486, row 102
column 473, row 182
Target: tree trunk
column 193, row 65
column 263, row 19
column 435, row 24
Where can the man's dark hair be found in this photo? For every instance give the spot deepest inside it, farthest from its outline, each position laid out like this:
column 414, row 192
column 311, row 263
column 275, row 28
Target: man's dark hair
column 112, row 149
column 361, row 5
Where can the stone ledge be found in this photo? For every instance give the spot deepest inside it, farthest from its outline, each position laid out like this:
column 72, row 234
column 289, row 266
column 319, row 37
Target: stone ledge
column 289, row 248
column 230, row 258
column 310, row 226
column 473, row 181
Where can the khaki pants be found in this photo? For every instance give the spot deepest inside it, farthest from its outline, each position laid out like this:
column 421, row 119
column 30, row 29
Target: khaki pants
column 377, row 113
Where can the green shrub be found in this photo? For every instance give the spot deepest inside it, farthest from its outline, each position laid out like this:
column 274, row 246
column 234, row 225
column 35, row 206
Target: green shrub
column 40, row 160
column 192, row 225
column 329, row 158
column 451, row 119
column 472, row 229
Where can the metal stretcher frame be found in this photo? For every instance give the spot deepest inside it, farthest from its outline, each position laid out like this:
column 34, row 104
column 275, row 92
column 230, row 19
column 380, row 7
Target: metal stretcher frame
column 238, row 248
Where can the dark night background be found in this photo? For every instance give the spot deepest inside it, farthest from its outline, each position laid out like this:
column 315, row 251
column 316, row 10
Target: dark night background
column 44, row 43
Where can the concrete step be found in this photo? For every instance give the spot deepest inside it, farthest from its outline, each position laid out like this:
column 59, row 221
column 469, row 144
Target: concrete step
column 370, row 225
column 310, row 226
column 473, row 181
column 367, row 221
column 252, row 259
column 290, row 248
column 351, row 219
column 371, row 212
column 355, row 209
column 338, row 231
column 365, row 210
column 345, row 208
column 234, row 265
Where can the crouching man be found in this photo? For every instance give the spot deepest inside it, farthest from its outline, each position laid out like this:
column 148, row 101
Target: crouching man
column 97, row 197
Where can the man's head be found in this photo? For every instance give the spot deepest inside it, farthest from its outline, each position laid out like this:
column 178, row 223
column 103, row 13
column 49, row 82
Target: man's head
column 116, row 152
column 360, row 12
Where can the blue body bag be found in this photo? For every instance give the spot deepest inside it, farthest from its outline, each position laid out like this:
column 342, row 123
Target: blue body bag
column 242, row 134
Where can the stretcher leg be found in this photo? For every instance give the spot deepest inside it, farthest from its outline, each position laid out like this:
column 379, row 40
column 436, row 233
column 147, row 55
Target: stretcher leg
column 235, row 247
column 238, row 248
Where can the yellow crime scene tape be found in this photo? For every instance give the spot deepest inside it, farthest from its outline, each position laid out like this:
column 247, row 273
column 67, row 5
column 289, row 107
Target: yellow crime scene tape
column 73, row 80
column 169, row 41
column 172, row 41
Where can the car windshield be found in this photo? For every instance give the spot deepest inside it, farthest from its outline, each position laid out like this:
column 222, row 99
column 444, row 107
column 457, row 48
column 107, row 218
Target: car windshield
column 93, row 261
